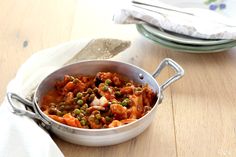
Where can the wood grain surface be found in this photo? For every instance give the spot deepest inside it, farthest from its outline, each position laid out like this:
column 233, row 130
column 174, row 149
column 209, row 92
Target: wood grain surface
column 197, row 117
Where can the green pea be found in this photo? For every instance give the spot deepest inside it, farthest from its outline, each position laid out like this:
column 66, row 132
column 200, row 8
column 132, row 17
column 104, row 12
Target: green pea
column 80, row 102
column 138, row 89
column 61, row 107
column 77, row 111
column 79, row 95
column 89, row 90
column 108, row 119
column 114, row 102
column 128, row 84
column 116, row 89
column 104, row 88
column 71, row 78
column 126, row 99
column 83, row 122
column 95, row 90
column 83, row 108
column 138, row 92
column 91, row 118
column 117, row 93
column 91, row 97
column 81, row 115
column 75, row 80
column 98, row 116
column 108, row 81
column 52, row 104
column 125, row 102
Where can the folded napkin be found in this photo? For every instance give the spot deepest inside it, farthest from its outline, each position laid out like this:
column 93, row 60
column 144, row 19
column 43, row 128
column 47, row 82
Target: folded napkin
column 21, row 136
column 200, row 23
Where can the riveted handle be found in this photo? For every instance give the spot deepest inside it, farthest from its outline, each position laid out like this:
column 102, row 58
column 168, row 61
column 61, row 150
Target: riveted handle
column 32, row 114
column 179, row 72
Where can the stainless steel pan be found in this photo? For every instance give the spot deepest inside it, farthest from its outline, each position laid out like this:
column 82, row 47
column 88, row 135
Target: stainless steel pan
column 97, row 137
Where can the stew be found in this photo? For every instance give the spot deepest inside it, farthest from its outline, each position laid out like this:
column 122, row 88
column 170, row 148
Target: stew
column 105, row 100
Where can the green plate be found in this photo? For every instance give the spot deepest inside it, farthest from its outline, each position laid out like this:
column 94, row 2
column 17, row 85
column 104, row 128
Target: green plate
column 179, row 38
column 183, row 47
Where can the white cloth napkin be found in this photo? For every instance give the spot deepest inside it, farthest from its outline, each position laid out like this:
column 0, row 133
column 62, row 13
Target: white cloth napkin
column 20, row 136
column 193, row 22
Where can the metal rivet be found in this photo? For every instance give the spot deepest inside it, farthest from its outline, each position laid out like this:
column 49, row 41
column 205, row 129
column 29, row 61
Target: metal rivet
column 140, row 76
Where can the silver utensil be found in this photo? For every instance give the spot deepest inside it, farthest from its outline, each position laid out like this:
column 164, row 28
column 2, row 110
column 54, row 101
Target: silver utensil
column 164, row 9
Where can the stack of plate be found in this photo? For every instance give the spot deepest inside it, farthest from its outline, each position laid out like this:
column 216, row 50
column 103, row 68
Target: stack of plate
column 183, row 43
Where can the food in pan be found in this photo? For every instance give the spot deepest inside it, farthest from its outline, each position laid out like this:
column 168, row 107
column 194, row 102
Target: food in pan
column 105, row 100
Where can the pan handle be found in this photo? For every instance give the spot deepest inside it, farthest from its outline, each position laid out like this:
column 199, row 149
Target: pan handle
column 179, row 72
column 35, row 115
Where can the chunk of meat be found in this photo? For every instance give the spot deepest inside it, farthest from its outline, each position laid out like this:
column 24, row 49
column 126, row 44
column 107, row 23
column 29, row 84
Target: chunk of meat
column 103, row 76
column 115, row 123
column 136, row 109
column 94, row 123
column 70, row 120
column 68, row 87
column 127, row 90
column 80, row 87
column 106, row 91
column 58, row 119
column 69, row 98
column 62, row 83
column 148, row 96
column 93, row 108
column 116, row 80
column 119, row 111
column 127, row 121
column 114, row 77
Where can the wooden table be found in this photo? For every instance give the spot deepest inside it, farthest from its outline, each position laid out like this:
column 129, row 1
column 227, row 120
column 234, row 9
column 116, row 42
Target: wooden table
column 197, row 117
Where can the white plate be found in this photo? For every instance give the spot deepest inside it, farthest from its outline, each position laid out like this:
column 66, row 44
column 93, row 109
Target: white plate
column 183, row 47
column 215, row 5
column 179, row 38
